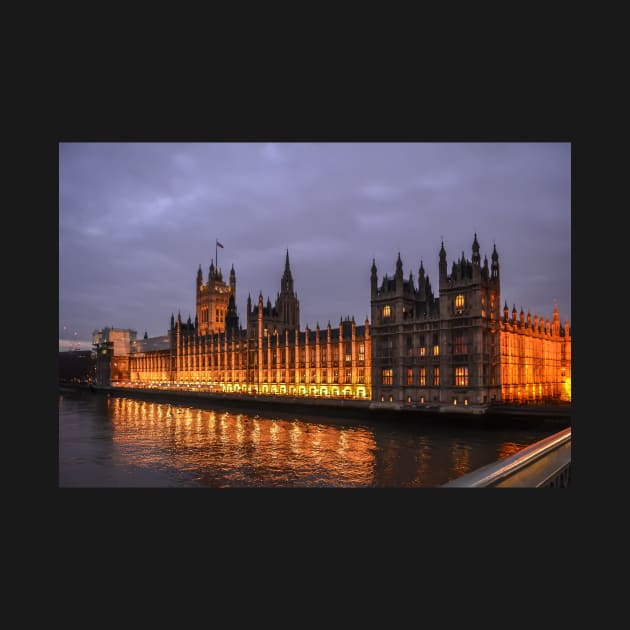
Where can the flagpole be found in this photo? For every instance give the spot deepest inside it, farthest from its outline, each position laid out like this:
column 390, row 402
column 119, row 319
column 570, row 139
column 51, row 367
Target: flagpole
column 216, row 253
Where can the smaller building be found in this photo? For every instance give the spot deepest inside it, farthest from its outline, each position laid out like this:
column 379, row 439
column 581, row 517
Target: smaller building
column 112, row 347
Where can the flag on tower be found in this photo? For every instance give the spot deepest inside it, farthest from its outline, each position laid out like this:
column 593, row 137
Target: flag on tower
column 219, row 245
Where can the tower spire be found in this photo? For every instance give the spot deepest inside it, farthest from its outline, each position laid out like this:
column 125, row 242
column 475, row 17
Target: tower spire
column 442, row 264
column 199, row 278
column 286, row 286
column 373, row 278
column 494, row 267
column 476, row 258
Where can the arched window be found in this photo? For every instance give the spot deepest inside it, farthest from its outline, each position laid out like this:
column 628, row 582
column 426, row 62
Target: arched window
column 459, row 303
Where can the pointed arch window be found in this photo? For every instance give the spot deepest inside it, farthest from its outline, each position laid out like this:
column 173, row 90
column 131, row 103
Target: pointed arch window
column 459, row 303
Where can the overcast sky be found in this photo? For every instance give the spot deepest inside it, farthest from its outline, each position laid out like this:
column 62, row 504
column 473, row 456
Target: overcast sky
column 137, row 220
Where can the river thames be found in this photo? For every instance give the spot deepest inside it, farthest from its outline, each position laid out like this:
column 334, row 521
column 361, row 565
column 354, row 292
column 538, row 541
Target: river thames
column 124, row 442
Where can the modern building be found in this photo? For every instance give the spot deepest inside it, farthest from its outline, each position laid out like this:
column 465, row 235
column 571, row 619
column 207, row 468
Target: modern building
column 113, row 348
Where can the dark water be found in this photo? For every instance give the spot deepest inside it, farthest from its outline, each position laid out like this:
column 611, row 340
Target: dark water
column 106, row 442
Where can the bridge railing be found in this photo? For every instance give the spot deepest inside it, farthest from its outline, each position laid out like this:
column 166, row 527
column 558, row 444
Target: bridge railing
column 544, row 464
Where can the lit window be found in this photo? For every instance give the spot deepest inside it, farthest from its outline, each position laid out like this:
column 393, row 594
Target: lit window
column 388, row 376
column 436, row 376
column 459, row 303
column 436, row 350
column 361, row 375
column 461, row 376
column 361, row 352
column 423, row 349
column 409, row 376
column 387, row 310
column 422, row 376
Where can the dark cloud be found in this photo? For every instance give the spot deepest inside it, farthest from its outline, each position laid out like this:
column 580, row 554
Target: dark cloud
column 136, row 220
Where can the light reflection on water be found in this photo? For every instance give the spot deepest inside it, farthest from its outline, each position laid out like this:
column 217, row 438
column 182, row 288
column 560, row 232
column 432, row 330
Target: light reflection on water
column 127, row 442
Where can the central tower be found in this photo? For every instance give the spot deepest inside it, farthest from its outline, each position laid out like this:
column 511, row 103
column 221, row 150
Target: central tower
column 284, row 315
column 213, row 300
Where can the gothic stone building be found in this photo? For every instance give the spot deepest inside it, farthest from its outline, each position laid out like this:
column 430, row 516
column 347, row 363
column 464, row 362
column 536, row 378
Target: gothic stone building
column 271, row 356
column 421, row 349
column 456, row 349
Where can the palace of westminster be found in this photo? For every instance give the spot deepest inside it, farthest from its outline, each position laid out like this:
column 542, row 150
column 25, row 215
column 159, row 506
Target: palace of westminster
column 458, row 348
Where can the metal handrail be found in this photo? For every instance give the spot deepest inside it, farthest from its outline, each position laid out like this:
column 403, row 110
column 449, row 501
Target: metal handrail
column 496, row 472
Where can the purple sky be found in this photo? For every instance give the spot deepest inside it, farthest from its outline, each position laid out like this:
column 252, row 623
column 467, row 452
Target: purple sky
column 136, row 220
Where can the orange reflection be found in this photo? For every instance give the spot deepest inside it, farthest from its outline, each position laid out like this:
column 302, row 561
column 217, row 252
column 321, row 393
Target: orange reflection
column 508, row 448
column 237, row 449
column 461, row 460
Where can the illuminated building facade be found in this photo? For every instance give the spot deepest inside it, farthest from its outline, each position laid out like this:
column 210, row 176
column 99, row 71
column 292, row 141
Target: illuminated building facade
column 535, row 358
column 456, row 349
column 214, row 299
column 271, row 356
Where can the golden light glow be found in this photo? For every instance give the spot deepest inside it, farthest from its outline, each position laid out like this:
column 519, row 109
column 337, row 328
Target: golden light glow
column 461, row 376
column 535, row 364
column 567, row 388
column 508, row 448
column 459, row 303
column 238, row 445
column 520, row 362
